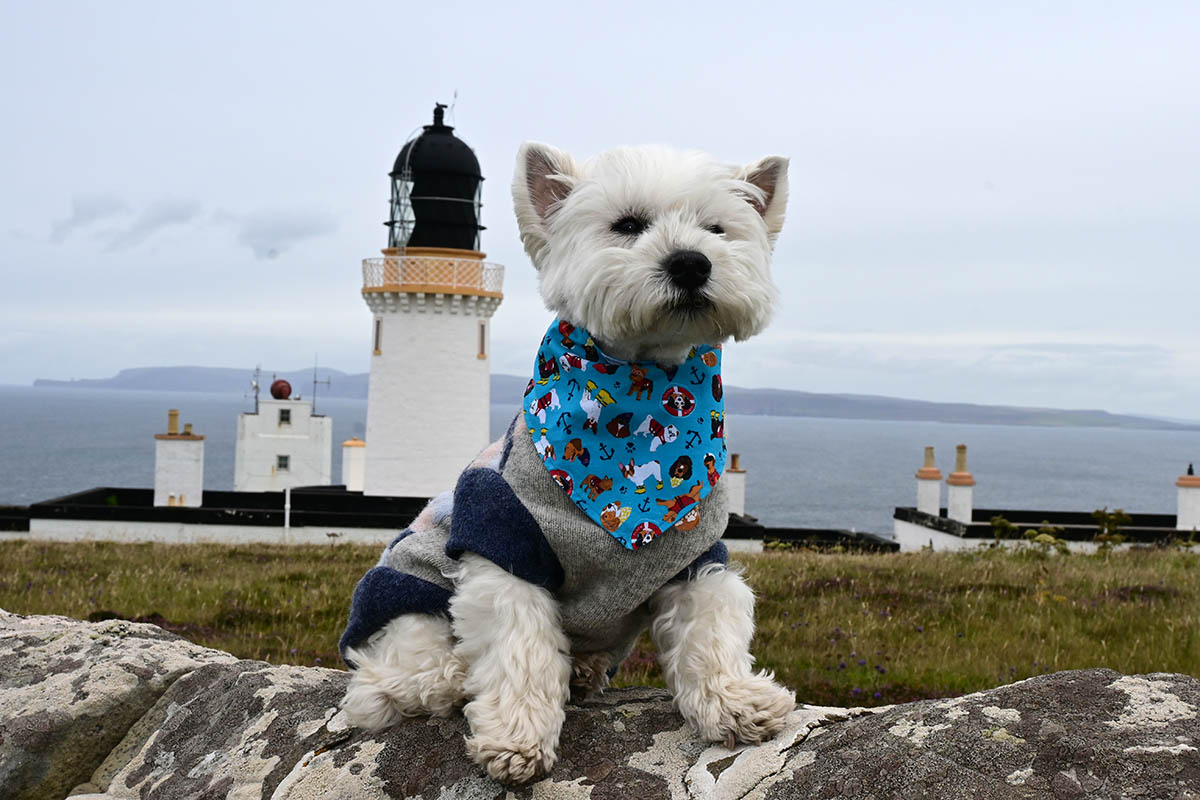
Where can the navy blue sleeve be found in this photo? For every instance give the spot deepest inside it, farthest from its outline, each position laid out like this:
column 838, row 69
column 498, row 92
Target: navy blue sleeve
column 489, row 520
column 717, row 554
column 508, row 440
column 384, row 594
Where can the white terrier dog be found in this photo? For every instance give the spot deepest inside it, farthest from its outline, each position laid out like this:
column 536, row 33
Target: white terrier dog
column 654, row 252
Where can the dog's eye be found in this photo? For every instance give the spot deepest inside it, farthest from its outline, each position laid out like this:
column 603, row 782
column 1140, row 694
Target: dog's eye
column 715, row 228
column 629, row 225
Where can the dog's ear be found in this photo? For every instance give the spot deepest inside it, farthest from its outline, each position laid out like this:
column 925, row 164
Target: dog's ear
column 544, row 177
column 769, row 177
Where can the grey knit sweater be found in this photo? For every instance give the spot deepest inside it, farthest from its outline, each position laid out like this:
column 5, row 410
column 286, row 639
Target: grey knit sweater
column 508, row 509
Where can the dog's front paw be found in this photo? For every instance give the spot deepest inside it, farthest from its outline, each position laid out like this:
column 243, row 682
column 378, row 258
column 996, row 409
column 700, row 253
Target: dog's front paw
column 748, row 710
column 509, row 762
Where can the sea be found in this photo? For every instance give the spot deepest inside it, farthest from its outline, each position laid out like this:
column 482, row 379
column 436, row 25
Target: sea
column 801, row 471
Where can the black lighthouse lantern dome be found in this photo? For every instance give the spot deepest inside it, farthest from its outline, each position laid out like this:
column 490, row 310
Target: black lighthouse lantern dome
column 436, row 186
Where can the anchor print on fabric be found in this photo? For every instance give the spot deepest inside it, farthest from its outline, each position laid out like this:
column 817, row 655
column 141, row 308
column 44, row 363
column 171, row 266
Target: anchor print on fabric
column 626, row 440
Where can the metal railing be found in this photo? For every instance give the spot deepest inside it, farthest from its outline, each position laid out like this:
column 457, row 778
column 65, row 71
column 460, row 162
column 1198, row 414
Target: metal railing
column 431, row 273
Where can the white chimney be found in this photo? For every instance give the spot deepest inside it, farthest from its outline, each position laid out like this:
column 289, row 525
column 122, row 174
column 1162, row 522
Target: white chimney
column 1188, row 515
column 354, row 461
column 178, row 465
column 959, row 488
column 929, row 486
column 735, row 481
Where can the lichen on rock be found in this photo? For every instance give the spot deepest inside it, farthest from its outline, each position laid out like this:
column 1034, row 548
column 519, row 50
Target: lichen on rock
column 117, row 710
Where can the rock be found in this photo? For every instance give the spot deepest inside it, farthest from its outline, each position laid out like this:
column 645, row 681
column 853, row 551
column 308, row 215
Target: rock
column 259, row 731
column 1091, row 733
column 227, row 728
column 70, row 691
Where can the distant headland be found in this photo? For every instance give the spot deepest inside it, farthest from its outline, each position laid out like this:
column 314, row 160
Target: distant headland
column 738, row 400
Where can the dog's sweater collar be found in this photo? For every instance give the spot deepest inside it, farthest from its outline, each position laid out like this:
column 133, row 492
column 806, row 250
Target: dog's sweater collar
column 635, row 445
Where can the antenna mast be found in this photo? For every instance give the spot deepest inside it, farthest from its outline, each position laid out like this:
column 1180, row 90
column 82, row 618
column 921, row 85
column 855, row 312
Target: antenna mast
column 254, row 385
column 327, row 382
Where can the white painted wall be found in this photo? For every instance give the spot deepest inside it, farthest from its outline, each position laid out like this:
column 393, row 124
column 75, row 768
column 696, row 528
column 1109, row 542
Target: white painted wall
column 959, row 502
column 929, row 496
column 82, row 530
column 307, row 442
column 428, row 396
column 1188, row 512
column 178, row 472
column 354, row 461
column 913, row 537
column 735, row 486
column 77, row 530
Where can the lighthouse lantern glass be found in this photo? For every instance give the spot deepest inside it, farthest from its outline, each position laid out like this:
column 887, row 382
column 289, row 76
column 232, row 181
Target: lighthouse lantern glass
column 401, row 220
column 436, row 194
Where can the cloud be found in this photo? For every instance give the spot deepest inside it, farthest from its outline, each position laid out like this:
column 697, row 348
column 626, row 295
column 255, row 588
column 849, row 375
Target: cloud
column 1035, row 356
column 14, row 341
column 154, row 218
column 271, row 233
column 1059, row 362
column 85, row 211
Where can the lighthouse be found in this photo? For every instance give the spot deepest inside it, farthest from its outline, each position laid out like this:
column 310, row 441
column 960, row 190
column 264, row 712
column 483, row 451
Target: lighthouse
column 431, row 298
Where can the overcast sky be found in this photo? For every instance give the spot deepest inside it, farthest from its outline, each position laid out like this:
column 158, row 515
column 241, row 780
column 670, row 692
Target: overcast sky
column 997, row 204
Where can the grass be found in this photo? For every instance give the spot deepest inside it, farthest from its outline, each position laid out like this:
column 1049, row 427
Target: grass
column 841, row 629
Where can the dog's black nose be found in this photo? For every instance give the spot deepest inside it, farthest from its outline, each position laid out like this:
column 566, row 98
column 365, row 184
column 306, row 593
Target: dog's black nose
column 688, row 269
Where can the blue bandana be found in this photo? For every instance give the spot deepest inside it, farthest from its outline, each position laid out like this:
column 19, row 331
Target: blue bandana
column 636, row 445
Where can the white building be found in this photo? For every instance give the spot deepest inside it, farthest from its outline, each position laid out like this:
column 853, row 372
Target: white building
column 282, row 444
column 431, row 298
column 1187, row 517
column 961, row 526
column 178, row 465
column 354, row 462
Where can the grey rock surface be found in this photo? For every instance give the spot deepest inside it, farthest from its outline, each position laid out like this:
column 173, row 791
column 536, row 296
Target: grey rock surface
column 219, row 728
column 70, row 691
column 1085, row 734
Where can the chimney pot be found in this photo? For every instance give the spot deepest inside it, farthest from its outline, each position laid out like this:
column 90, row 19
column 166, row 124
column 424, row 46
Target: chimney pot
column 929, row 471
column 961, row 476
column 173, row 421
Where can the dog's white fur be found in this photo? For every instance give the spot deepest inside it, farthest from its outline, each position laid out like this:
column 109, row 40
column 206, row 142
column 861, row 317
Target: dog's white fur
column 519, row 670
column 505, row 650
column 616, row 288
column 702, row 630
column 407, row 669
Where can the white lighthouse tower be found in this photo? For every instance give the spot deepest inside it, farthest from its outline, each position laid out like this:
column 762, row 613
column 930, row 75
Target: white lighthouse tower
column 431, row 297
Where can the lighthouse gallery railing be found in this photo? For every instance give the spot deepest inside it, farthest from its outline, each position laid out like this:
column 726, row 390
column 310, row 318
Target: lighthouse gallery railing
column 431, row 274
